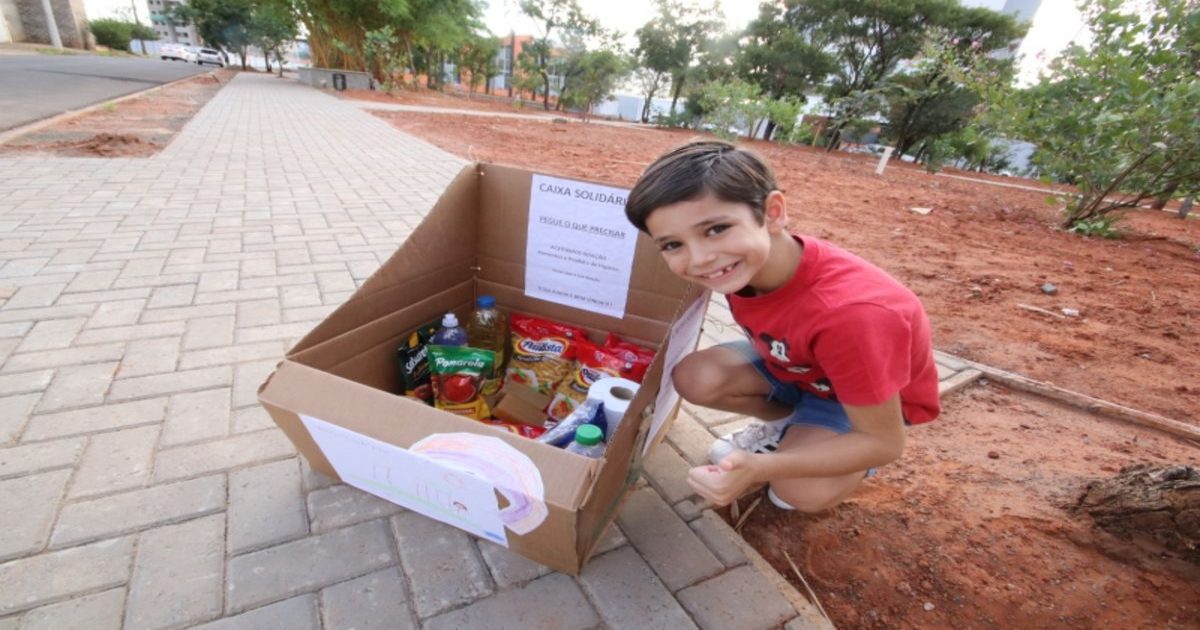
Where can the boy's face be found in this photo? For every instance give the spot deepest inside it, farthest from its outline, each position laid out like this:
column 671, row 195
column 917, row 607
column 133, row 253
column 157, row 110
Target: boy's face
column 717, row 244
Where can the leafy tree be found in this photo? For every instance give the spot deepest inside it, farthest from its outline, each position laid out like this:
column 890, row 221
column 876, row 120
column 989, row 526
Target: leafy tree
column 666, row 45
column 869, row 39
column 655, row 56
column 224, row 24
column 782, row 61
column 731, row 104
column 552, row 16
column 594, row 75
column 478, row 58
column 444, row 27
column 1119, row 118
column 272, row 27
column 782, row 114
column 714, row 64
column 419, row 33
column 381, row 56
column 934, row 95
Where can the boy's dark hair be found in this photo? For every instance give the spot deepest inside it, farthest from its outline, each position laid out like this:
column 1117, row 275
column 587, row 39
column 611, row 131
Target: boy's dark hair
column 699, row 168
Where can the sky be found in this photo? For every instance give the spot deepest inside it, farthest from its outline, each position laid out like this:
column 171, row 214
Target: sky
column 623, row 15
column 1056, row 23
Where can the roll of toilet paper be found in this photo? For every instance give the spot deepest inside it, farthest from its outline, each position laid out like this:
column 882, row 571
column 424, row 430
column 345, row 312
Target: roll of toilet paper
column 616, row 394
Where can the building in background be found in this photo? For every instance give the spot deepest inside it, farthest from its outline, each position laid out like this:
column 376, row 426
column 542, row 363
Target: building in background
column 511, row 47
column 171, row 29
column 25, row 21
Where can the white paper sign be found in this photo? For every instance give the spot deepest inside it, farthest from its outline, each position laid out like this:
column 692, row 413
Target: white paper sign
column 580, row 247
column 440, row 492
column 683, row 337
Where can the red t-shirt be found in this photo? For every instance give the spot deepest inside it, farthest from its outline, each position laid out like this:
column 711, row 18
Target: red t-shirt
column 844, row 329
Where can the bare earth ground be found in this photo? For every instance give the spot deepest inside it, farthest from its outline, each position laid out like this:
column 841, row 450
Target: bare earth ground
column 138, row 127
column 985, row 541
column 477, row 101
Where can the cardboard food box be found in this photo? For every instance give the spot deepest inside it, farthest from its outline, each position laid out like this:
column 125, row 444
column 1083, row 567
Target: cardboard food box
column 555, row 248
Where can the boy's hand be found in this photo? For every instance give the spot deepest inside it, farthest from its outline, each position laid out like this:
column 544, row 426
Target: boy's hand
column 725, row 482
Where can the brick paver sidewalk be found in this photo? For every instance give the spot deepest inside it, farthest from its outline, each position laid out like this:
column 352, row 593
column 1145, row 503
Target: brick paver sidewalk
column 142, row 301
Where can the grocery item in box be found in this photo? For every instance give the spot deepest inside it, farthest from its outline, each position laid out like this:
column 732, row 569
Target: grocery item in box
column 458, row 373
column 592, row 363
column 542, row 351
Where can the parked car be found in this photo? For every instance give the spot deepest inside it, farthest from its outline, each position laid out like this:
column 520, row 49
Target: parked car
column 208, row 55
column 176, row 52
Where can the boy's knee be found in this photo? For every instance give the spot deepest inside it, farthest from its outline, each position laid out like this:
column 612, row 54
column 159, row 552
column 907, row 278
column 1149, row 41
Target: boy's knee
column 697, row 379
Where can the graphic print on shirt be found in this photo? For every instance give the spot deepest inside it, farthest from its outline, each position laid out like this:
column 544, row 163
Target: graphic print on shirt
column 779, row 347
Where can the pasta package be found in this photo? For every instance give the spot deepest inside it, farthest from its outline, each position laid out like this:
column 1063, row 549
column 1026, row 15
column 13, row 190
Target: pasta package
column 542, row 352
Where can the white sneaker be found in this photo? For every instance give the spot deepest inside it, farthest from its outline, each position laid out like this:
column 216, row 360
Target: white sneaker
column 756, row 437
column 779, row 503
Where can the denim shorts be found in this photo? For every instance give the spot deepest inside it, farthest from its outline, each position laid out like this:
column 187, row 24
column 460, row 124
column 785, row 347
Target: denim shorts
column 809, row 409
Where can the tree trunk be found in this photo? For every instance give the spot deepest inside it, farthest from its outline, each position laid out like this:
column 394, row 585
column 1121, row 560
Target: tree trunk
column 771, row 126
column 1165, row 197
column 243, row 52
column 1185, row 207
column 678, row 87
column 1147, row 503
column 921, row 153
column 835, row 137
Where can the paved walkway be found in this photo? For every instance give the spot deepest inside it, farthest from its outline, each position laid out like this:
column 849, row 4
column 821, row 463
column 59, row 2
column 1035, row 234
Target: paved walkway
column 142, row 301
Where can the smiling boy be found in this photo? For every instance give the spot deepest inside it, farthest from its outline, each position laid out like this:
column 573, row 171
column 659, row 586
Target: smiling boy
column 839, row 358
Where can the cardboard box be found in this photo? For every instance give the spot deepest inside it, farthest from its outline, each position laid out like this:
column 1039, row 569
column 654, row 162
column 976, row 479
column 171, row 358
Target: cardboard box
column 334, row 393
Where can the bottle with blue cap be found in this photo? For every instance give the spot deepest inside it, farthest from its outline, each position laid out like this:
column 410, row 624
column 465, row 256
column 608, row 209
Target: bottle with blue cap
column 588, row 442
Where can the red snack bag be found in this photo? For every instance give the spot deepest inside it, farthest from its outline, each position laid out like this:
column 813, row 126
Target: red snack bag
column 542, row 351
column 592, row 363
column 637, row 357
column 516, row 428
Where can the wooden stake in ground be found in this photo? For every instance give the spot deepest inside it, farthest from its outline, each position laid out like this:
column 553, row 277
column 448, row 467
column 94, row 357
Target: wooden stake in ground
column 887, row 153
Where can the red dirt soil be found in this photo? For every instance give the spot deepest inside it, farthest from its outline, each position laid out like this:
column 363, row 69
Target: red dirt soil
column 988, row 542
column 138, row 127
column 975, row 519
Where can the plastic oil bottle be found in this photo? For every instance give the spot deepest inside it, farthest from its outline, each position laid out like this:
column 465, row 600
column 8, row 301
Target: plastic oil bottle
column 488, row 327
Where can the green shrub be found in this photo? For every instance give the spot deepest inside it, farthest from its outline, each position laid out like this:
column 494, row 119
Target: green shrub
column 1103, row 226
column 116, row 34
column 112, row 33
column 141, row 31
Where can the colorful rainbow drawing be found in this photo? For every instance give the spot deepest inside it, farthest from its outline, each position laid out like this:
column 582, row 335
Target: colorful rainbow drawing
column 512, row 473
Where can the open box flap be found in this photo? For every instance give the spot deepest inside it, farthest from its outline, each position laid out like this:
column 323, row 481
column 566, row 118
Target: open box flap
column 422, row 265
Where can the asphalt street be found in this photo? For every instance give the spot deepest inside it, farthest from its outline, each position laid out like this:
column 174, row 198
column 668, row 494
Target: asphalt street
column 33, row 87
